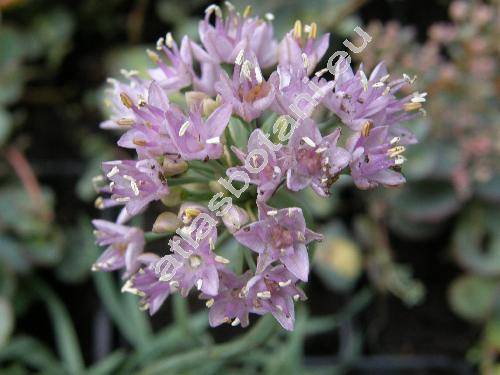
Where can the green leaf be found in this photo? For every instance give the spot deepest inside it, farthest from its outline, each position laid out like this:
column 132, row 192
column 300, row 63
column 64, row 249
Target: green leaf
column 426, row 201
column 233, row 251
column 107, row 290
column 490, row 190
column 476, row 240
column 31, row 352
column 6, row 320
column 80, row 252
column 472, row 297
column 5, row 125
column 109, row 364
column 239, row 133
column 64, row 331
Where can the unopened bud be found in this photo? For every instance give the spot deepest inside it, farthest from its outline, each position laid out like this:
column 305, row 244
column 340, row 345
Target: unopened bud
column 195, row 98
column 166, row 222
column 209, row 105
column 174, row 197
column 235, row 218
column 172, row 167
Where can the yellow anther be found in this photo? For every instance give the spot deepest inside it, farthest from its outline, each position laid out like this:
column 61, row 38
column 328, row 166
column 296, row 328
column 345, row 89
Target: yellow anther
column 412, row 106
column 313, row 31
column 153, row 56
column 297, row 29
column 366, row 128
column 127, row 102
column 395, row 151
column 247, row 11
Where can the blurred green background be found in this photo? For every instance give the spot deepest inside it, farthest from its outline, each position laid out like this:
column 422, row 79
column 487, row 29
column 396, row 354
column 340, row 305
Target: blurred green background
column 408, row 279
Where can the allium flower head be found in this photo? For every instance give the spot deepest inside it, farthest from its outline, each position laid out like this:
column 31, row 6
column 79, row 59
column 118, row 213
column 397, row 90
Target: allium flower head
column 279, row 235
column 124, row 244
column 238, row 71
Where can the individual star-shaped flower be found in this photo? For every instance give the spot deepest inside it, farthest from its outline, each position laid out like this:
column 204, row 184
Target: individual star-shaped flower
column 279, row 235
column 315, row 160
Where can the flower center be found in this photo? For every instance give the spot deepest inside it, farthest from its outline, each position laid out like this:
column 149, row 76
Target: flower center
column 195, row 261
column 281, row 237
column 309, row 159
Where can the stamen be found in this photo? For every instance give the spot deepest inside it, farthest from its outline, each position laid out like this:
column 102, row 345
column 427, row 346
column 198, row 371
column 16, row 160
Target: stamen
column 113, row 171
column 210, row 302
column 400, row 159
column 305, row 60
column 169, row 41
column 127, row 102
column 297, row 29
column 412, row 106
column 366, row 128
column 221, row 259
column 239, row 57
column 284, row 283
column 247, row 11
column 392, row 152
column 184, row 127
column 258, row 75
column 214, row 140
column 214, row 8
column 321, row 150
column 313, row 30
column 99, row 203
column 153, row 56
column 269, row 16
column 125, row 122
column 199, row 284
column 395, row 140
column 235, row 322
column 272, row 213
column 364, row 80
column 159, row 43
column 309, row 141
column 264, row 295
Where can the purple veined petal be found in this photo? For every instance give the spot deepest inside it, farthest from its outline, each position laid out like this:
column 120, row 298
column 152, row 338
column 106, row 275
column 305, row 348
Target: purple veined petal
column 218, row 120
column 313, row 236
column 251, row 236
column 389, row 178
column 110, row 260
column 157, row 97
column 285, row 318
column 298, row 262
column 296, row 182
column 264, row 260
column 210, row 285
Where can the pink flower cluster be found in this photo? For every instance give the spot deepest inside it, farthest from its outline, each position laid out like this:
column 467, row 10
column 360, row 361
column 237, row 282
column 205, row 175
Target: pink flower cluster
column 240, row 71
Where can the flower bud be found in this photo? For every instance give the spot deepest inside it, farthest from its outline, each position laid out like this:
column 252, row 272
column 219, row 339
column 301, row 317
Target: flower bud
column 235, row 218
column 189, row 210
column 173, row 198
column 209, row 105
column 166, row 222
column 194, row 98
column 172, row 167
